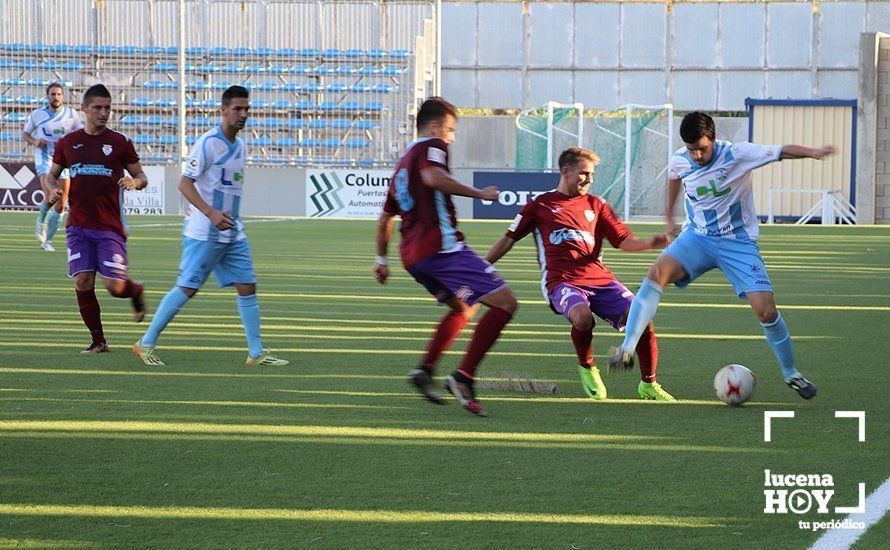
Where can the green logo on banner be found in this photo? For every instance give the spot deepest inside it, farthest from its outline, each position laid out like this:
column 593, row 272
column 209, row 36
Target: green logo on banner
column 325, row 196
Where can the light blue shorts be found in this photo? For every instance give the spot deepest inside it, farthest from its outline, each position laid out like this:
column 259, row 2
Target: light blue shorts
column 43, row 161
column 738, row 259
column 230, row 262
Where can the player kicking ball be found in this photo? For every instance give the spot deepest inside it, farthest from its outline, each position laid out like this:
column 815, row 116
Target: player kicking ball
column 434, row 253
column 569, row 226
column 213, row 237
column 96, row 235
column 720, row 232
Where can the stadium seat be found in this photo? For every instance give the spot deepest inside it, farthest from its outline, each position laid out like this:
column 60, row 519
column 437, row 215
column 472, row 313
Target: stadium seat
column 376, row 54
column 313, row 87
column 309, row 142
column 328, row 106
column 336, row 88
column 391, row 71
column 358, row 88
column 6, row 63
column 196, row 50
column 351, row 106
column 286, row 142
column 382, row 88
column 142, row 102
column 72, row 66
column 154, row 120
column 255, row 69
column 282, row 104
column 168, row 139
column 368, row 70
column 15, row 118
column 300, row 69
column 231, row 69
column 271, row 122
column 346, row 70
column 263, row 52
column 190, row 140
column 365, row 124
column 8, row 136
column 207, row 68
column 26, row 100
column 144, row 139
column 291, row 87
column 218, row 51
column 353, row 53
column 130, row 120
column 240, row 51
column 261, row 142
column 294, row 123
column 259, row 104
column 166, row 102
column 366, row 162
column 374, row 106
column 357, row 143
column 330, row 52
column 399, row 54
column 287, row 52
column 211, row 103
column 82, row 49
column 199, row 85
column 267, row 87
column 341, row 124
column 305, row 105
column 220, row 85
column 318, row 124
column 277, row 69
column 330, row 142
column 325, row 70
column 6, row 100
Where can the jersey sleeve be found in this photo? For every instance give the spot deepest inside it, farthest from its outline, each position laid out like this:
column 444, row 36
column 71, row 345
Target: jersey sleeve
column 129, row 156
column 754, row 155
column 523, row 223
column 678, row 166
column 59, row 153
column 436, row 155
column 29, row 125
column 391, row 205
column 611, row 227
column 200, row 158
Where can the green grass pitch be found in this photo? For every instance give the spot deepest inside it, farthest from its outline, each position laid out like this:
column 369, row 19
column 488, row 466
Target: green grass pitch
column 334, row 451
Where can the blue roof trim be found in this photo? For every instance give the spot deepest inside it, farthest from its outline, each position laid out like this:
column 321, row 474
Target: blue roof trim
column 826, row 102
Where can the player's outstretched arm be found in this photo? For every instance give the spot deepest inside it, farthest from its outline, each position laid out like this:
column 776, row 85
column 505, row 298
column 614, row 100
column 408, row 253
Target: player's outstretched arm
column 384, row 234
column 52, row 181
column 220, row 219
column 801, row 152
column 36, row 142
column 633, row 244
column 137, row 179
column 499, row 248
column 440, row 180
column 673, row 191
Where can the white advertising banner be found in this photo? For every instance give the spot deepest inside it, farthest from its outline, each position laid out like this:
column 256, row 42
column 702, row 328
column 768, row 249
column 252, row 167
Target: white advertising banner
column 151, row 199
column 346, row 193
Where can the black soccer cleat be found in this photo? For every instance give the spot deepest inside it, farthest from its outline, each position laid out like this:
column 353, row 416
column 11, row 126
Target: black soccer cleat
column 802, row 386
column 423, row 382
column 138, row 303
column 620, row 360
column 461, row 387
column 95, row 347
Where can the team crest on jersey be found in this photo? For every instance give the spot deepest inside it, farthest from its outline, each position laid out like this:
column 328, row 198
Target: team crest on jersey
column 107, row 149
column 590, row 215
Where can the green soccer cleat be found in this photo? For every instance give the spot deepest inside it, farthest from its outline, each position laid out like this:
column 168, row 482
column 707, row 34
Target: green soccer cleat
column 653, row 391
column 592, row 382
column 147, row 354
column 266, row 359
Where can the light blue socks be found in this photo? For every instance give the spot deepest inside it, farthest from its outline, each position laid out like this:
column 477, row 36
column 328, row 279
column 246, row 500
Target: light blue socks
column 642, row 310
column 52, row 224
column 41, row 214
column 167, row 310
column 779, row 339
column 249, row 309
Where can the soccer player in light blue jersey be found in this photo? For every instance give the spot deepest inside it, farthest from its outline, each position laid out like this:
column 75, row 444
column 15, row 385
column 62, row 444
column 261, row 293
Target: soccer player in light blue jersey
column 720, row 232
column 43, row 129
column 213, row 234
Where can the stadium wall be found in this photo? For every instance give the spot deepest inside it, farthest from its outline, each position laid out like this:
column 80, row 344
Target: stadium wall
column 873, row 131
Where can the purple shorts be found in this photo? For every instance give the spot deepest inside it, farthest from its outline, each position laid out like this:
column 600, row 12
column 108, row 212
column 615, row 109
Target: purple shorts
column 609, row 302
column 96, row 250
column 462, row 274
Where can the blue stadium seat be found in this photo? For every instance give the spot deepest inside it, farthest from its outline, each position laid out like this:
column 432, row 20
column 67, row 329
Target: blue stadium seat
column 366, row 162
column 286, row 52
column 368, row 70
column 16, row 48
column 313, row 87
column 191, row 102
column 231, row 69
column 6, row 63
column 302, row 160
column 6, row 100
column 61, row 48
column 376, row 54
column 261, row 142
column 15, row 118
column 171, row 50
column 308, row 52
column 199, row 85
column 211, row 103
column 131, row 120
column 331, row 52
column 218, row 50
column 353, row 53
column 166, row 102
column 277, row 69
column 72, row 66
column 391, row 71
column 328, row 106
column 106, row 49
column 28, row 64
column 291, row 87
column 160, row 84
column 365, row 124
column 14, row 81
column 132, row 50
column 26, row 100
column 336, row 88
column 207, row 68
column 351, row 106
column 199, row 121
column 382, row 88
column 399, row 54
column 168, row 139
column 144, row 139
column 271, row 122
column 358, row 88
column 220, row 85
column 341, row 124
column 374, row 106
column 260, row 104
column 318, row 123
column 255, row 69
column 50, row 65
column 357, row 143
column 295, row 123
column 304, row 105
column 8, row 136
column 286, row 142
column 154, row 120
column 240, row 51
column 153, row 50
column 283, row 104
column 331, row 142
column 346, row 70
column 196, row 50
column 82, row 49
column 190, row 140
column 263, row 52
column 300, row 69
column 267, row 87
column 309, row 142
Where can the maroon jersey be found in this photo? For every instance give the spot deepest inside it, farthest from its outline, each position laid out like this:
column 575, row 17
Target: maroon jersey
column 569, row 234
column 429, row 224
column 96, row 164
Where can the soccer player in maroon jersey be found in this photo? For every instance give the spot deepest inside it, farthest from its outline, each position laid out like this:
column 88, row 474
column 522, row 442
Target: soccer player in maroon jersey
column 569, row 226
column 96, row 157
column 434, row 253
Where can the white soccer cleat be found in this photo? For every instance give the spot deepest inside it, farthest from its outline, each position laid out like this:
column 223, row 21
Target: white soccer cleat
column 40, row 232
column 48, row 246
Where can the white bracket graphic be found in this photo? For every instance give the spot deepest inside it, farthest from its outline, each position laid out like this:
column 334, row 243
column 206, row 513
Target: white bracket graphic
column 767, row 420
column 854, row 509
column 854, row 414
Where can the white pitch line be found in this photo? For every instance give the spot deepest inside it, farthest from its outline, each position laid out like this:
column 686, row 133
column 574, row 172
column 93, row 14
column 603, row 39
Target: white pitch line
column 876, row 505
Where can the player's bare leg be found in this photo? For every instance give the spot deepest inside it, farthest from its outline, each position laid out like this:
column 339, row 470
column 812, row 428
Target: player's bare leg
column 582, row 338
column 128, row 288
column 54, row 217
column 779, row 338
column 502, row 306
column 446, row 333
column 664, row 271
column 84, row 286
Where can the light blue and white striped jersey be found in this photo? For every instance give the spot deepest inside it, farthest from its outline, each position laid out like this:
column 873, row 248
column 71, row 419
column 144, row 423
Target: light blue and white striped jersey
column 50, row 126
column 217, row 166
column 719, row 198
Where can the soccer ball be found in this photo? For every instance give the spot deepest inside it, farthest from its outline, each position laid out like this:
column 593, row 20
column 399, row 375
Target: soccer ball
column 734, row 384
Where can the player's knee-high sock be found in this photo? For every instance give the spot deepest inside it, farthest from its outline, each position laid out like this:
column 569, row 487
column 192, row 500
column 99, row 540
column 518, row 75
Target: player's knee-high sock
column 90, row 312
column 779, row 339
column 448, row 330
column 249, row 309
column 642, row 310
column 167, row 310
column 487, row 331
column 41, row 213
column 52, row 224
column 583, row 341
column 647, row 352
column 131, row 288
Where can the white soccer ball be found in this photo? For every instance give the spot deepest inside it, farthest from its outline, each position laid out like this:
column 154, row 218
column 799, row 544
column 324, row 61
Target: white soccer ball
column 734, row 384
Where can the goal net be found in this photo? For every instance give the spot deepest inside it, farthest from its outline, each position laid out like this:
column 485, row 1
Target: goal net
column 544, row 132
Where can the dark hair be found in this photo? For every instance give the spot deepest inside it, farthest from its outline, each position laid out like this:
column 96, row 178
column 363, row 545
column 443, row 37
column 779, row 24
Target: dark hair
column 54, row 85
column 434, row 108
column 234, row 91
column 696, row 125
column 96, row 90
column 574, row 155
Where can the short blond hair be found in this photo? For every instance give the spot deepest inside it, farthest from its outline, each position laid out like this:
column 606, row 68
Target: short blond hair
column 574, row 155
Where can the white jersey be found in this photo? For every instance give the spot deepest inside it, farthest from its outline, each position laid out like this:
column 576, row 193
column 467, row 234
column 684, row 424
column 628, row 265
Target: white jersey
column 719, row 197
column 217, row 166
column 50, row 126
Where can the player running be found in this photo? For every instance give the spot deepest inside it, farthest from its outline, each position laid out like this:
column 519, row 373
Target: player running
column 43, row 129
column 720, row 232
column 213, row 237
column 434, row 253
column 569, row 226
column 96, row 232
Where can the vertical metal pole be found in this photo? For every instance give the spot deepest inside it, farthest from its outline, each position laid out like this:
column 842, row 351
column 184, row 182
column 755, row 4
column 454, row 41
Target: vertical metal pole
column 580, row 108
column 437, row 86
column 628, row 130
column 814, row 49
column 549, row 135
column 526, row 52
column 181, row 104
